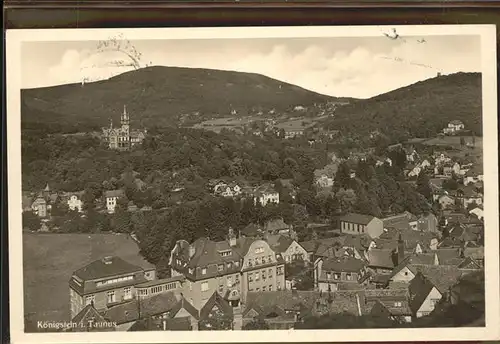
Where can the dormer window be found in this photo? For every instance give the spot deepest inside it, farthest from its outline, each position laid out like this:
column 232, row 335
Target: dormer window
column 237, row 263
column 220, row 267
column 191, row 271
column 328, row 275
column 229, row 265
column 204, row 271
column 398, row 304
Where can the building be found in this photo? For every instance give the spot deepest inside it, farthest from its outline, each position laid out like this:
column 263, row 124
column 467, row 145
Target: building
column 424, row 296
column 40, row 206
column 404, row 220
column 111, row 197
column 427, row 223
column 446, row 202
column 74, row 200
column 232, row 268
column 329, row 273
column 265, row 194
column 105, row 283
column 289, row 249
column 353, row 223
column 392, row 303
column 453, row 127
column 227, row 189
column 324, row 181
column 123, row 137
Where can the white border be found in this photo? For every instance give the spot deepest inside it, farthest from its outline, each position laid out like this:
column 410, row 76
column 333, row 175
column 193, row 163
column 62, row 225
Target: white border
column 14, row 38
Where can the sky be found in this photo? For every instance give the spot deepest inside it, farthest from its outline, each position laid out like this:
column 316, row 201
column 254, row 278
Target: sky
column 344, row 67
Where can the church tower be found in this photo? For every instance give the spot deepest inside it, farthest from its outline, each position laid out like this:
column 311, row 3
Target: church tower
column 125, row 132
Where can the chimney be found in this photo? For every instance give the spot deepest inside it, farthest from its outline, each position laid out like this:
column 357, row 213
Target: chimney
column 107, row 260
column 191, row 251
column 231, row 237
column 401, row 249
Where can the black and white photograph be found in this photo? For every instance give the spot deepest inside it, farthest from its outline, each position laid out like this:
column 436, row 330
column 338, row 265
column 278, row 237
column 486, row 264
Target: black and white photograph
column 277, row 181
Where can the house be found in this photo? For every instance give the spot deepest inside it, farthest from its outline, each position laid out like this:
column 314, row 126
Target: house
column 324, row 181
column 111, row 198
column 391, row 303
column 265, row 194
column 424, row 296
column 474, row 175
column 451, row 168
column 74, row 200
column 478, row 212
column 404, row 220
column 427, row 223
column 415, row 171
column 227, row 189
column 216, row 314
column 289, row 249
column 235, row 266
column 40, row 206
column 446, row 202
column 411, row 155
column 90, row 320
column 105, row 283
column 329, row 273
column 277, row 226
column 468, row 195
column 282, row 309
column 353, row 223
column 453, row 127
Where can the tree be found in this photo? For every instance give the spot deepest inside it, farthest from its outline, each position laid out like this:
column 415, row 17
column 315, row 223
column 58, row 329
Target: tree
column 423, row 185
column 31, row 221
column 256, row 324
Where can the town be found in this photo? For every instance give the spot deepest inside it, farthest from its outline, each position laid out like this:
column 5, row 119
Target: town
column 274, row 225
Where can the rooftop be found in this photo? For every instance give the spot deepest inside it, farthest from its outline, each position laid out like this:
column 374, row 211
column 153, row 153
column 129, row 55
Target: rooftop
column 361, row 219
column 106, row 267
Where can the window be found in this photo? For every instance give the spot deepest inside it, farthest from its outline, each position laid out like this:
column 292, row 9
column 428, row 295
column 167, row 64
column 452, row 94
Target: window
column 89, row 299
column 250, row 278
column 271, row 287
column 263, row 274
column 270, row 273
column 127, row 293
column 237, row 278
column 336, row 276
column 220, row 267
column 257, row 276
column 280, row 270
column 229, row 265
column 236, row 263
column 270, row 258
column 263, row 260
column 258, row 289
column 398, row 304
column 204, row 271
column 142, row 292
column 278, row 286
column 328, row 275
column 229, row 281
column 259, row 250
column 204, row 286
column 111, row 296
column 250, row 262
column 191, row 271
column 264, row 288
column 348, row 276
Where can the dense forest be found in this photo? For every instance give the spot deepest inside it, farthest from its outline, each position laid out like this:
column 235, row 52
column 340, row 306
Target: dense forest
column 170, row 171
column 419, row 110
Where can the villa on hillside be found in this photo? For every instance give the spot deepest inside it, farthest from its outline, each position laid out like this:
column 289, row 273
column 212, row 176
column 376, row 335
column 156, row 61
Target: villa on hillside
column 453, row 127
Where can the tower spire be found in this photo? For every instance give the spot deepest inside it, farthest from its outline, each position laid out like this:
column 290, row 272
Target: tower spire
column 124, row 109
column 111, row 123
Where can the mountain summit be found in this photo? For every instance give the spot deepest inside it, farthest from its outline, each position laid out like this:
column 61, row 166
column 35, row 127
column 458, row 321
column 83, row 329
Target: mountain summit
column 162, row 95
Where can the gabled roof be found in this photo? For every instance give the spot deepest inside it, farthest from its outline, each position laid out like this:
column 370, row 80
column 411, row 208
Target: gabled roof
column 184, row 304
column 382, row 258
column 456, row 122
column 447, row 255
column 158, row 304
column 123, row 313
column 279, row 243
column 106, row 267
column 215, row 300
column 474, row 252
column 361, row 219
column 419, row 289
column 114, row 193
column 275, row 225
column 343, row 264
column 88, row 313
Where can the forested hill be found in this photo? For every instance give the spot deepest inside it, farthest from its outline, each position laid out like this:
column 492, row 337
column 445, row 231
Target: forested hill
column 162, row 96
column 419, row 110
